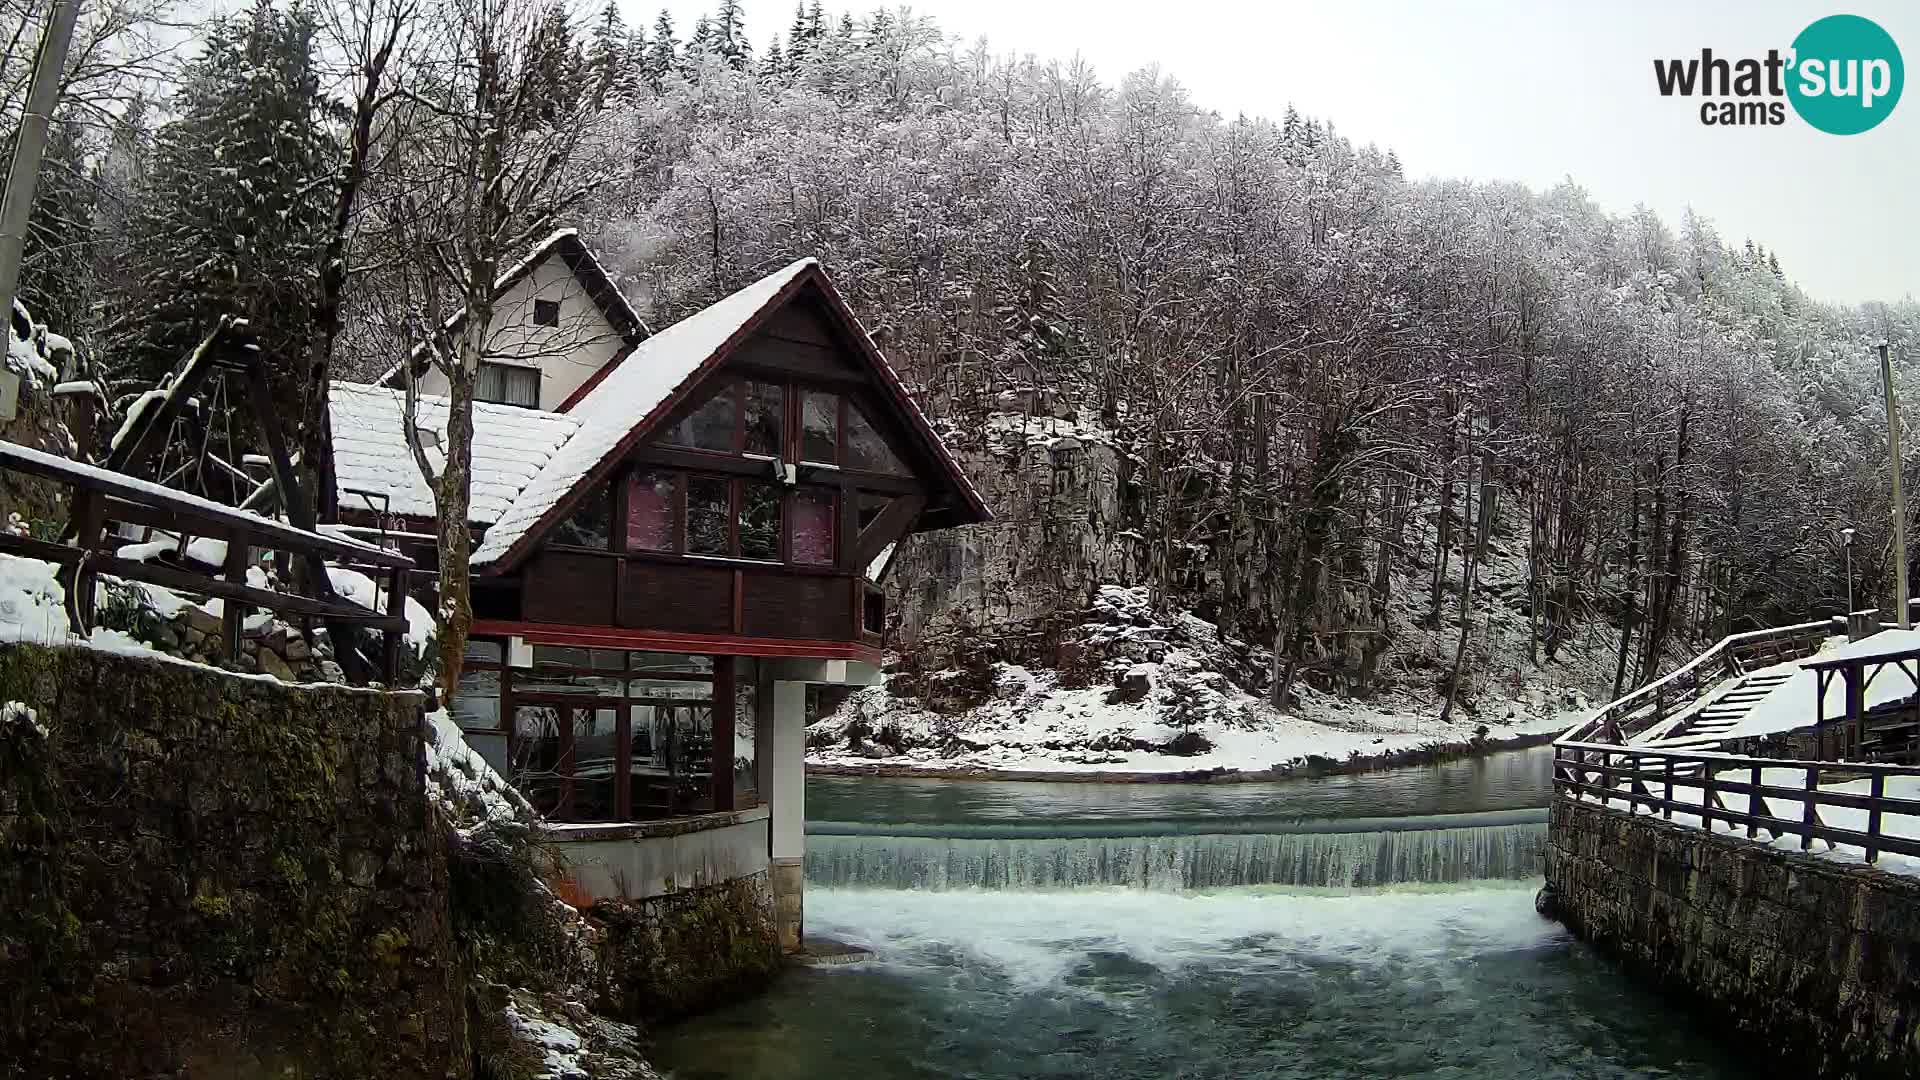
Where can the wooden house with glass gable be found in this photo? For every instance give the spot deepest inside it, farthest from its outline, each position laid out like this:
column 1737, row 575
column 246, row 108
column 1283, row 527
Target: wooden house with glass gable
column 666, row 557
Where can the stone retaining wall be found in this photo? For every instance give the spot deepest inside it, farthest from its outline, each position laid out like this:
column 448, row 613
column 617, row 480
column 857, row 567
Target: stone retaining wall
column 1814, row 964
column 209, row 875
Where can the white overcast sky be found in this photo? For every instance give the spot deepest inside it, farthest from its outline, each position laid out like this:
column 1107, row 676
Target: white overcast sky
column 1521, row 90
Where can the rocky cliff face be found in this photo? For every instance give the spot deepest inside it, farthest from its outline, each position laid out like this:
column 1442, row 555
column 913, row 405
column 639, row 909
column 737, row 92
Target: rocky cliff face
column 1089, row 624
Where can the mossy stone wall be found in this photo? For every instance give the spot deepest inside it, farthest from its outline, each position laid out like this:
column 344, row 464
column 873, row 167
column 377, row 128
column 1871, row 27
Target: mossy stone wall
column 206, row 875
column 673, row 955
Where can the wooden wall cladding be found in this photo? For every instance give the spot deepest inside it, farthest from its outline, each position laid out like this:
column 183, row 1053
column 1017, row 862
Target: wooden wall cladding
column 677, row 598
column 781, row 606
column 568, row 587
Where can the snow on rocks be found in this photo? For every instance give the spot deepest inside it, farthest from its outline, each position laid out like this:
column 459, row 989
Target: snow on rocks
column 557, row 1039
column 1134, row 693
column 18, row 715
column 460, row 780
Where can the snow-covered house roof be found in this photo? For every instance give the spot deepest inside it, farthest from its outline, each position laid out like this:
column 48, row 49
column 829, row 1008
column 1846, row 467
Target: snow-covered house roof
column 370, row 452
column 625, row 398
column 593, row 278
column 632, row 394
column 531, row 465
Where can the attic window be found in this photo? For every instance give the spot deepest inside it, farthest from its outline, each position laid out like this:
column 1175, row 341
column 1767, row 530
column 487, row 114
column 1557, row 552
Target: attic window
column 505, row 384
column 546, row 313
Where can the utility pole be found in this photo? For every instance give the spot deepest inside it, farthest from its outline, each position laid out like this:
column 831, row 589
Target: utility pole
column 31, row 143
column 1899, row 503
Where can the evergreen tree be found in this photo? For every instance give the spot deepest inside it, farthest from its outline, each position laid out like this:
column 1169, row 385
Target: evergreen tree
column 234, row 213
column 774, row 64
column 553, row 71
column 798, row 39
column 729, row 35
column 607, row 55
column 663, row 53
column 57, row 260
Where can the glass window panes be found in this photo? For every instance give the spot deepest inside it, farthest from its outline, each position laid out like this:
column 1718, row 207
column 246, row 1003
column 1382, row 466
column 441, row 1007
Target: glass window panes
column 670, row 689
column 651, row 496
column 656, row 661
column 505, row 384
column 539, row 770
column 591, row 523
column 813, row 527
column 553, row 682
column 759, row 520
column 483, row 651
column 765, row 421
column 476, row 701
column 595, row 745
column 866, row 450
column 709, row 513
column 819, row 427
column 711, row 426
column 561, row 656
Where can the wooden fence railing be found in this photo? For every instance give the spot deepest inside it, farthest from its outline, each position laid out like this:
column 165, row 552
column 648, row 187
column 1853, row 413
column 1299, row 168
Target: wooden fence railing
column 1676, row 691
column 102, row 495
column 1667, row 782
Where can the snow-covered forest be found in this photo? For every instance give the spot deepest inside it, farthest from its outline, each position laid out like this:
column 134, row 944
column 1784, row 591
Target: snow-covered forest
column 1242, row 365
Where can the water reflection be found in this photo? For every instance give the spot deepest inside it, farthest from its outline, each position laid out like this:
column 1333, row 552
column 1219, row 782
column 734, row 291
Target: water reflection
column 1508, row 780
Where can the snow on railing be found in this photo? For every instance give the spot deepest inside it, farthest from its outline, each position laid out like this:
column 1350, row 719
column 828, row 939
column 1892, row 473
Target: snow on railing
column 1685, row 681
column 1695, row 788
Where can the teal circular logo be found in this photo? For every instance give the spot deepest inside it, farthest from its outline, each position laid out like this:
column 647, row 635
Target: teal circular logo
column 1846, row 75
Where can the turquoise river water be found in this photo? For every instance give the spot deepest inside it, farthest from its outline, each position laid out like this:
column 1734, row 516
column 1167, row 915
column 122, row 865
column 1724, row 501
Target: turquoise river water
column 1377, row 926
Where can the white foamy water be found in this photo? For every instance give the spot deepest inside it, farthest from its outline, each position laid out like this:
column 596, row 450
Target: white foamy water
column 1034, row 939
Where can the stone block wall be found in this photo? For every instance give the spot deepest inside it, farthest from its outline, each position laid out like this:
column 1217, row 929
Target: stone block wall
column 1813, row 964
column 692, row 949
column 210, row 875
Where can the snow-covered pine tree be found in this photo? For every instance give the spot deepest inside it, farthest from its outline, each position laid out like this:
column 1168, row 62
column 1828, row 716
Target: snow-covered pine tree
column 798, row 39
column 233, row 214
column 729, row 35
column 555, row 79
column 663, row 52
column 608, row 51
column 57, row 263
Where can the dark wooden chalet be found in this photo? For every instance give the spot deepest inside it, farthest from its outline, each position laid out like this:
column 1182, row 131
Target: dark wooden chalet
column 710, row 513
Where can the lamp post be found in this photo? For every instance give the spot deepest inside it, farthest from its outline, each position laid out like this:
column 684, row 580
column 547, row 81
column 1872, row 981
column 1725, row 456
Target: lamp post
column 1846, row 543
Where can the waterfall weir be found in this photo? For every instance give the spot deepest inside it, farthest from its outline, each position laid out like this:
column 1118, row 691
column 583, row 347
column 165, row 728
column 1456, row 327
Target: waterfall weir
column 1179, row 854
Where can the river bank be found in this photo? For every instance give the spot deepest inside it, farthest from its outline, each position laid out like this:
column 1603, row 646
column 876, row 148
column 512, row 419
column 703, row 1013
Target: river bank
column 1309, row 767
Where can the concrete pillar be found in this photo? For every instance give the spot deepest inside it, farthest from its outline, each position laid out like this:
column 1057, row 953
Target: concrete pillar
column 787, row 804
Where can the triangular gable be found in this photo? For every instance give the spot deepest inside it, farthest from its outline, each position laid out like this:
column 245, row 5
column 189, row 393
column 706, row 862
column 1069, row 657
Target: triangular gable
column 656, row 377
column 587, row 271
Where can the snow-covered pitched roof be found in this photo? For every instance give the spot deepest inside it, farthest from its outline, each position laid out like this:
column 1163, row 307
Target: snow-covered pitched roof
column 628, row 398
column 370, row 452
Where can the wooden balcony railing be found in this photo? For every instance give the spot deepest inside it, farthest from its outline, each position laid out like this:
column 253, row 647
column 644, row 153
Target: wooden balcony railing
column 1697, row 785
column 102, row 495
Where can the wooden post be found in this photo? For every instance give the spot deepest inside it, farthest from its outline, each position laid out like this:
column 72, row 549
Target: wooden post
column 1753, row 804
column 89, row 527
column 397, row 584
column 725, row 699
column 1899, row 503
column 1667, row 810
column 1806, row 807
column 232, row 611
column 1877, row 792
column 1706, row 796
